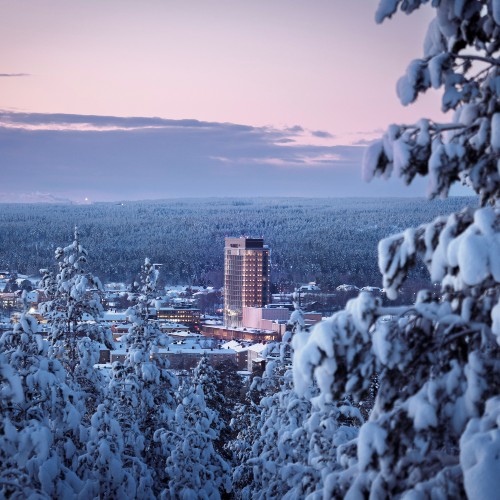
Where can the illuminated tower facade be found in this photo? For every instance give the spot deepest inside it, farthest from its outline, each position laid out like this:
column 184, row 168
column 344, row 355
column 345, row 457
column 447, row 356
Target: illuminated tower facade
column 247, row 271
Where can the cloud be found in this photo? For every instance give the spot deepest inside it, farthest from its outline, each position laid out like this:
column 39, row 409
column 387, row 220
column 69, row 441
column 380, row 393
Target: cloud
column 59, row 121
column 7, row 75
column 301, row 159
column 295, row 129
column 285, row 140
column 107, row 158
column 364, row 142
column 322, row 134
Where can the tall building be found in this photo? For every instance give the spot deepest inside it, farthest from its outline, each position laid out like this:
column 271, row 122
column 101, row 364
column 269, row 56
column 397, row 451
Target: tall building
column 247, row 271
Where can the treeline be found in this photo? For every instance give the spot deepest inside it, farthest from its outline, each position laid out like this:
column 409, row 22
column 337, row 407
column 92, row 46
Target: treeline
column 332, row 241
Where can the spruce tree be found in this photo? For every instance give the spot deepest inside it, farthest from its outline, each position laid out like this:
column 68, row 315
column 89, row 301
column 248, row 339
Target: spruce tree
column 142, row 387
column 193, row 466
column 40, row 423
column 73, row 312
column 102, row 465
column 210, row 380
column 433, row 431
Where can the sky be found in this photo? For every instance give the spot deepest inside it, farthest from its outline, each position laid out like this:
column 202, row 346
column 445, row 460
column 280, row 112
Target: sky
column 120, row 99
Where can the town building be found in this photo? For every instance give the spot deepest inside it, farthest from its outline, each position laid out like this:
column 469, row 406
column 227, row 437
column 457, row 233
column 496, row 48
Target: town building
column 240, row 333
column 241, row 350
column 263, row 317
column 8, row 300
column 188, row 316
column 181, row 356
column 247, row 272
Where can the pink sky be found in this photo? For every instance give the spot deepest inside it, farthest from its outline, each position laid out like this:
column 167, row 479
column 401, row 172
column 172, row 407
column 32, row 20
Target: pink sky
column 324, row 65
column 302, row 81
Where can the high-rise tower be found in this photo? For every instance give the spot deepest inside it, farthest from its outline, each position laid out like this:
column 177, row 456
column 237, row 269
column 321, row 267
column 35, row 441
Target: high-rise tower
column 247, row 271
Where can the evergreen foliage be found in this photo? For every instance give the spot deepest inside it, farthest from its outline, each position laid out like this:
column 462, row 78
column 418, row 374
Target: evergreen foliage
column 193, row 466
column 287, row 444
column 40, row 422
column 433, row 431
column 332, row 241
column 143, row 388
column 73, row 301
column 102, row 467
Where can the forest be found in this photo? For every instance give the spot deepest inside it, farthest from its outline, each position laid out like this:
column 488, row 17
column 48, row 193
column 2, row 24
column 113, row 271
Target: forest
column 330, row 241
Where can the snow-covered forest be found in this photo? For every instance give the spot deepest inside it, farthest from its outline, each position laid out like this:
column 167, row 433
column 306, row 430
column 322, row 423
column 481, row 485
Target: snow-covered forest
column 374, row 402
column 332, row 241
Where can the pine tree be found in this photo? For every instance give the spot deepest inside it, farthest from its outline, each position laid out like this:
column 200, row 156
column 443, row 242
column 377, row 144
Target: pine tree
column 75, row 339
column 210, row 380
column 193, row 466
column 279, row 453
column 127, row 407
column 102, row 466
column 245, row 429
column 298, row 435
column 142, row 386
column 40, row 422
column 433, row 430
column 250, row 417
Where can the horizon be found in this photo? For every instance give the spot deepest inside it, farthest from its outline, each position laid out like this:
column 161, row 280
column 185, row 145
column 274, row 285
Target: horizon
column 46, row 199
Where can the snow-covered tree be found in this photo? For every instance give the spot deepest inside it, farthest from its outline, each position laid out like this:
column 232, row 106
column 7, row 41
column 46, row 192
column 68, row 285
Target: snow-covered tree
column 278, row 456
column 142, row 386
column 433, row 431
column 460, row 56
column 127, row 410
column 73, row 313
column 102, row 465
column 297, row 436
column 193, row 467
column 40, row 422
column 207, row 377
column 245, row 428
column 211, row 383
column 250, row 416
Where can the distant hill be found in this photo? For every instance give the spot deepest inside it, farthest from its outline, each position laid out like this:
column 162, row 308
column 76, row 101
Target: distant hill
column 32, row 198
